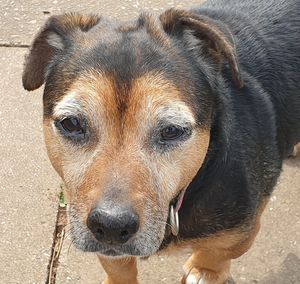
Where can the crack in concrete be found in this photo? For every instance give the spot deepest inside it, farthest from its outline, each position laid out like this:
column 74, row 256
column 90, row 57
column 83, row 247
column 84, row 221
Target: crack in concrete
column 14, row 45
column 58, row 239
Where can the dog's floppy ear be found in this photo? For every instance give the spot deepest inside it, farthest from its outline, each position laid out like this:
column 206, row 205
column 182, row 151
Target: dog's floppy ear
column 54, row 37
column 216, row 40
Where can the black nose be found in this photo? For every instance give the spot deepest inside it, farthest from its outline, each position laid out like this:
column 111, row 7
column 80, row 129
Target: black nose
column 113, row 224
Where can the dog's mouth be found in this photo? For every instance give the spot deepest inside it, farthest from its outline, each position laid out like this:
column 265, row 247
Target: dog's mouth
column 111, row 252
column 138, row 247
column 145, row 243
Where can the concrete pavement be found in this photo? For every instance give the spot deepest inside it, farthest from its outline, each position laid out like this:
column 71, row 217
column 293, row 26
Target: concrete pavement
column 29, row 186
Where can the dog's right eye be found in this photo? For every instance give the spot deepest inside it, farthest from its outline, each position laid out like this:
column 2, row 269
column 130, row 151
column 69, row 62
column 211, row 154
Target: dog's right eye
column 71, row 127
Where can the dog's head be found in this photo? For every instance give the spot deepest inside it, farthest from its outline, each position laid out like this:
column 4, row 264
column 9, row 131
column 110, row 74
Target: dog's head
column 127, row 116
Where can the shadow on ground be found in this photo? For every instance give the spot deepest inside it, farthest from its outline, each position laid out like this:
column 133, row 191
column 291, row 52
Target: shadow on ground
column 289, row 272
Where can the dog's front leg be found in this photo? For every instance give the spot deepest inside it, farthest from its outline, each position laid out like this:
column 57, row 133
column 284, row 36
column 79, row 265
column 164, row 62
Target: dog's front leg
column 210, row 262
column 120, row 270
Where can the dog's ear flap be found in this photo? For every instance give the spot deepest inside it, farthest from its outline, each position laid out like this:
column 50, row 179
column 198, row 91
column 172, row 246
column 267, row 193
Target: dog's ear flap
column 54, row 37
column 216, row 40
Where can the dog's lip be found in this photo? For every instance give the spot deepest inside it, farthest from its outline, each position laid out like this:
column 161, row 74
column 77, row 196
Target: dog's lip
column 112, row 252
column 119, row 251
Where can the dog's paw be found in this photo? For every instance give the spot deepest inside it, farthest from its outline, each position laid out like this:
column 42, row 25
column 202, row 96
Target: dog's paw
column 194, row 276
column 203, row 276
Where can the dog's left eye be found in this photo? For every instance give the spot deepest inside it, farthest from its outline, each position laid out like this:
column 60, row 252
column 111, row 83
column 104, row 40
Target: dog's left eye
column 71, row 127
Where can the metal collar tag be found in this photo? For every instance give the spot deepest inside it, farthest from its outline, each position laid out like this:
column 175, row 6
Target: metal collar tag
column 174, row 219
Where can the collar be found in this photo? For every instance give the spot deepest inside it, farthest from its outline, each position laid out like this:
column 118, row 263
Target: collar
column 174, row 208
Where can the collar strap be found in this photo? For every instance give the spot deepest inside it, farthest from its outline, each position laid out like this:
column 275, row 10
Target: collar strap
column 174, row 208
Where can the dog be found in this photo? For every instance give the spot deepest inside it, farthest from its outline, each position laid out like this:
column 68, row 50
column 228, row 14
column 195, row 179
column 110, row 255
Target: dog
column 169, row 131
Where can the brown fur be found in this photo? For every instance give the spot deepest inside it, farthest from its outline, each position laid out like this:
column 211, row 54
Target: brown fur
column 120, row 271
